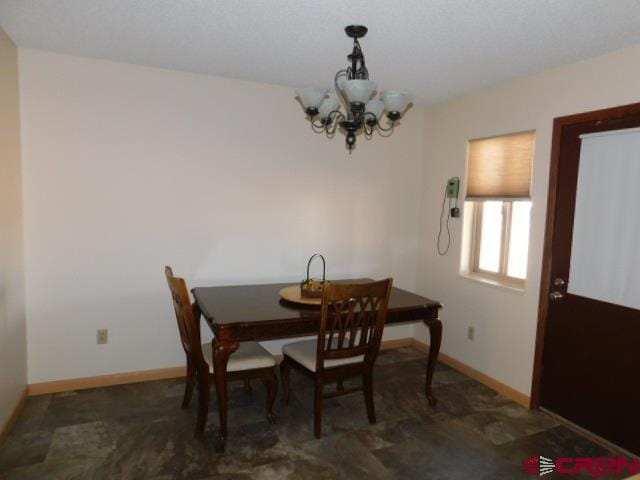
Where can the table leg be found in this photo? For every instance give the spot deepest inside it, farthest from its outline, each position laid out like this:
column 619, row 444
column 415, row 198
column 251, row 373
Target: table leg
column 435, row 334
column 222, row 349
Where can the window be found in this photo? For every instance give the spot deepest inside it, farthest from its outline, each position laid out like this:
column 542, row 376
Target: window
column 499, row 178
column 501, row 238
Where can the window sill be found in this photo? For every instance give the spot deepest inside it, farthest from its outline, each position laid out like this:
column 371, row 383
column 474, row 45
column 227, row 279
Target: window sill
column 492, row 282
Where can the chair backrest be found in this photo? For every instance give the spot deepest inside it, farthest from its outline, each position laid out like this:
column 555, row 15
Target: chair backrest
column 187, row 316
column 352, row 320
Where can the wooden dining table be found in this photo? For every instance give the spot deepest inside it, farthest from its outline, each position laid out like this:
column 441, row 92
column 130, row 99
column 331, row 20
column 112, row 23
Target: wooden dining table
column 256, row 312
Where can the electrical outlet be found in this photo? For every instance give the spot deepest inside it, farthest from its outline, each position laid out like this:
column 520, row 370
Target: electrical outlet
column 471, row 333
column 102, row 336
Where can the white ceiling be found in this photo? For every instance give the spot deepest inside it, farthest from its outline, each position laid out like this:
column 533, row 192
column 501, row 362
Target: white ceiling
column 436, row 49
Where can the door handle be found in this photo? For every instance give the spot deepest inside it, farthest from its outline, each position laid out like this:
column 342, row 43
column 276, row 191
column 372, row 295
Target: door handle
column 559, row 282
column 555, row 296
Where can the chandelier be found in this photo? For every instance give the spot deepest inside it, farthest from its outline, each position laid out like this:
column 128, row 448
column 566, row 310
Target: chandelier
column 354, row 92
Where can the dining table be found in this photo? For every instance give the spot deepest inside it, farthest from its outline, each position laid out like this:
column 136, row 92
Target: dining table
column 241, row 313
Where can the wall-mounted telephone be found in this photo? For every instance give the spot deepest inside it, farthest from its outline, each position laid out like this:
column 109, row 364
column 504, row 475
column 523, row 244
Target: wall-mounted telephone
column 451, row 192
column 453, row 188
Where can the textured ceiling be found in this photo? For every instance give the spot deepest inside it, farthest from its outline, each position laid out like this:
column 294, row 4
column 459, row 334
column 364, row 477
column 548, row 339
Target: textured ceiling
column 436, row 49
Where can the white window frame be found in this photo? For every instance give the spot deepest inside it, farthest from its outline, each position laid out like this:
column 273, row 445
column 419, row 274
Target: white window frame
column 499, row 277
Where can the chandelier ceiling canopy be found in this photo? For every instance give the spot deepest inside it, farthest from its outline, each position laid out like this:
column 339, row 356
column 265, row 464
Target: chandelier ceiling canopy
column 353, row 107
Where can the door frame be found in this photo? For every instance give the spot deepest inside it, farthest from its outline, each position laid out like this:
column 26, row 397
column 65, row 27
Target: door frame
column 559, row 124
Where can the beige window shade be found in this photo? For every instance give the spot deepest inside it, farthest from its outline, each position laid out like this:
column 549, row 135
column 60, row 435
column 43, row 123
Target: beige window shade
column 500, row 167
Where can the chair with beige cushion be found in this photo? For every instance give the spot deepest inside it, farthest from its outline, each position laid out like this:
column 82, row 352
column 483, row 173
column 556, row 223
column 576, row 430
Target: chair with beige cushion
column 249, row 361
column 351, row 324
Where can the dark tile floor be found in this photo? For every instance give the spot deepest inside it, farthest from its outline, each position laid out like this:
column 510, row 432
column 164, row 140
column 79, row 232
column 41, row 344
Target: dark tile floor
column 139, row 432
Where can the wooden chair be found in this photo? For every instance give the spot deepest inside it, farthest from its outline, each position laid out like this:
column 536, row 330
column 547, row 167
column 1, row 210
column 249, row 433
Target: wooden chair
column 351, row 324
column 249, row 361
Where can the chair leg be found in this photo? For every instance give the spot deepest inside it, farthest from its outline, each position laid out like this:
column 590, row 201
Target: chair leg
column 340, row 386
column 317, row 408
column 247, row 387
column 203, row 403
column 272, row 388
column 367, row 381
column 189, row 384
column 285, row 374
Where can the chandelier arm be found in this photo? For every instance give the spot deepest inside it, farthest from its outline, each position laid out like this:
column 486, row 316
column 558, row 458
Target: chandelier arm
column 378, row 125
column 368, row 129
column 341, row 94
column 317, row 128
column 385, row 133
column 371, row 116
column 387, row 129
column 337, row 115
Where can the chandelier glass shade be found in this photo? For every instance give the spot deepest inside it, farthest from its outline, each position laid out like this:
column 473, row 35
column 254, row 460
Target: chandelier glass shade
column 353, row 107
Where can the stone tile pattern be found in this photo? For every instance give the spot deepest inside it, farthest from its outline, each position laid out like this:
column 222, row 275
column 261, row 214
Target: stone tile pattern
column 138, row 431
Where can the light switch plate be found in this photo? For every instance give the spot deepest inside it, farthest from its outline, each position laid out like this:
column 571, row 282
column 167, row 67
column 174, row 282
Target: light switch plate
column 102, row 336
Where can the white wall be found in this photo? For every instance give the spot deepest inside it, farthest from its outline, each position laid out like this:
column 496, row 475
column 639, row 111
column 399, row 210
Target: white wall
column 13, row 349
column 505, row 321
column 129, row 168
